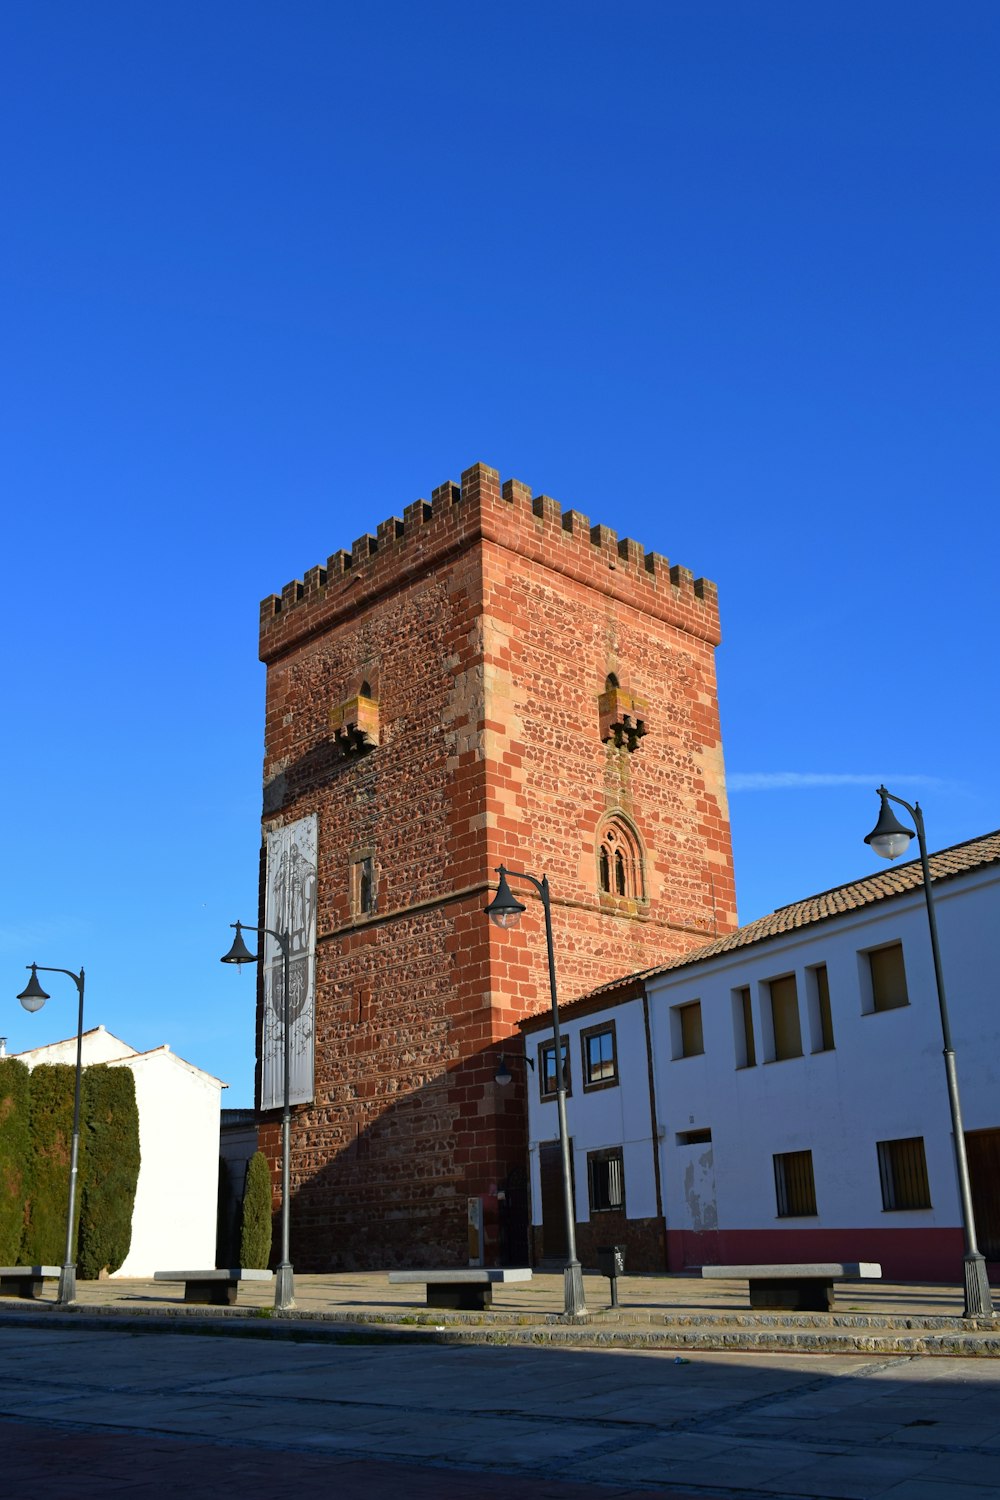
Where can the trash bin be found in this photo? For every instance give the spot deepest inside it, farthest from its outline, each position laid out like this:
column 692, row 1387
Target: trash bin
column 611, row 1263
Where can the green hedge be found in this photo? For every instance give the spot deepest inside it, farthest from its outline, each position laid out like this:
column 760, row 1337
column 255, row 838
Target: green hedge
column 51, row 1118
column 15, row 1152
column 255, row 1240
column 34, row 1161
column 109, row 1128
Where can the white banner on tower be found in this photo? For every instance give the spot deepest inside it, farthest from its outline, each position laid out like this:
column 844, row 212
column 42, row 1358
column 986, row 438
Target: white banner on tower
column 290, row 908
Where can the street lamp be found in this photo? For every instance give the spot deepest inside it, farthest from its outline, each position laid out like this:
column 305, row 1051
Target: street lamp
column 890, row 838
column 503, row 1076
column 239, row 953
column 33, row 997
column 505, row 911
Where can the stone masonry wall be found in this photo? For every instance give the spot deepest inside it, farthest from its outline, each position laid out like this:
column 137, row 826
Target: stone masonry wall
column 485, row 627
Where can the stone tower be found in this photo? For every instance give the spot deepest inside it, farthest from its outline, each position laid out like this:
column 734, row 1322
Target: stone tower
column 488, row 680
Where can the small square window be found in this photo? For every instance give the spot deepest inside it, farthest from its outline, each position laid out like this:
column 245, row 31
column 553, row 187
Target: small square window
column 547, row 1069
column 686, row 1033
column 888, row 977
column 794, row 1185
column 606, row 1174
column 600, row 1061
column 902, row 1167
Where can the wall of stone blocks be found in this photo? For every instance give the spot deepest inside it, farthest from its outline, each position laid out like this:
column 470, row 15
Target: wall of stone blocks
column 485, row 625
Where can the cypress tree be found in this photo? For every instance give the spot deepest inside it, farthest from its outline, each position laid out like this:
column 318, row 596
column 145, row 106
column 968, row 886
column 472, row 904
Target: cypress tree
column 15, row 1153
column 255, row 1240
column 111, row 1126
column 51, row 1129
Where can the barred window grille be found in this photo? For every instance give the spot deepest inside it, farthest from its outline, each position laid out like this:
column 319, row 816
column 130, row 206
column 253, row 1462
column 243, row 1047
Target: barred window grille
column 794, row 1185
column 607, row 1180
column 902, row 1168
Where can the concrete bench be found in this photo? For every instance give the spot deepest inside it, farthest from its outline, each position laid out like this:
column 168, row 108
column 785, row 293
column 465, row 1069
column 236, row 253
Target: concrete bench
column 469, row 1290
column 795, row 1288
column 25, row 1281
column 217, row 1288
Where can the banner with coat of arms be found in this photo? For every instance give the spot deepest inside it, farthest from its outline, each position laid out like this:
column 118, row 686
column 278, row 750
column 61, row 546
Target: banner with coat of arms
column 290, row 908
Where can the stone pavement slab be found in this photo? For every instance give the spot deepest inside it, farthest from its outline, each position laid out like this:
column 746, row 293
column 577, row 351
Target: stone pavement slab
column 612, row 1422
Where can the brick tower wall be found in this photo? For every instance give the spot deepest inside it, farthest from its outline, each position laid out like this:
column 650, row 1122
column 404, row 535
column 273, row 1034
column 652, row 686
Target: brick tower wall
column 485, row 626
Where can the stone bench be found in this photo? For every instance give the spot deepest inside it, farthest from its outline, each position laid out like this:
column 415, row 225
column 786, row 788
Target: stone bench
column 795, row 1288
column 469, row 1290
column 216, row 1288
column 25, row 1281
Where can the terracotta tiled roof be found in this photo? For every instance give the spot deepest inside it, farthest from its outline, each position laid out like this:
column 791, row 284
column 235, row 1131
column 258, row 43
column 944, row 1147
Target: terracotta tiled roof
column 895, row 880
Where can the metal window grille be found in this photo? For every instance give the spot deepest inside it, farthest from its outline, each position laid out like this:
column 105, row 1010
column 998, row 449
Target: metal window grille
column 607, row 1181
column 902, row 1169
column 794, row 1185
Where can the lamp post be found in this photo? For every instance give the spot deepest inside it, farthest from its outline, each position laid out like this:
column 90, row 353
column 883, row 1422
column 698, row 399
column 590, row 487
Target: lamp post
column 505, row 911
column 890, row 838
column 33, row 997
column 239, row 953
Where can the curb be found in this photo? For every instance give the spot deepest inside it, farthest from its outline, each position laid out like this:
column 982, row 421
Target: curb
column 738, row 1334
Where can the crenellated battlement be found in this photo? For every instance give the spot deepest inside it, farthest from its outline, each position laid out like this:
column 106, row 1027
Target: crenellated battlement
column 509, row 514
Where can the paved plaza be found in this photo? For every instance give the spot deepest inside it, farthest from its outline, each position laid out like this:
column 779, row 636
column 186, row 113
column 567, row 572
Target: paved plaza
column 681, row 1312
column 122, row 1405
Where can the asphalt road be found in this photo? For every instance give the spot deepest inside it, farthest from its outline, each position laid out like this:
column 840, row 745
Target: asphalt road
column 133, row 1413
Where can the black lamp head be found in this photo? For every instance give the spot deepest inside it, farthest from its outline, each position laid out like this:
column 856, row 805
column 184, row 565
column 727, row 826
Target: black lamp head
column 33, row 997
column 505, row 909
column 890, row 838
column 239, row 953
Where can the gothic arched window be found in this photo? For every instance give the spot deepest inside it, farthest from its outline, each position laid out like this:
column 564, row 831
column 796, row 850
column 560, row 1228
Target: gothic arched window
column 620, row 866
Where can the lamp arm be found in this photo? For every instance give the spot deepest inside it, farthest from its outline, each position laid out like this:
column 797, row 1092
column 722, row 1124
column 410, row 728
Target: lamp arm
column 912, row 809
column 283, row 939
column 541, row 886
column 47, row 969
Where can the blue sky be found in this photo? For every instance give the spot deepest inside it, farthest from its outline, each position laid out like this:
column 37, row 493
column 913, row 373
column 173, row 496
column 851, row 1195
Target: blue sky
column 719, row 275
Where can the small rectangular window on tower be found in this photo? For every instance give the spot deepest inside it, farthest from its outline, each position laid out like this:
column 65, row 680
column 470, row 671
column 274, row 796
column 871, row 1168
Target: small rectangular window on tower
column 364, row 885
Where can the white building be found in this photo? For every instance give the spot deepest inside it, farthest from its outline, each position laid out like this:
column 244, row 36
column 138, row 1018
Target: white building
column 780, row 1094
column 176, row 1201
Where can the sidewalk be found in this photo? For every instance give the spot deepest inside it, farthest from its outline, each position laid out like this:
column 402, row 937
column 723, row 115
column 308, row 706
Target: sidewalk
column 665, row 1312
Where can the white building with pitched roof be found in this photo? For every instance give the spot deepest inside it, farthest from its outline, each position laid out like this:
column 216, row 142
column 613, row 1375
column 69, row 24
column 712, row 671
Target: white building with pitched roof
column 176, row 1202
column 780, row 1094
